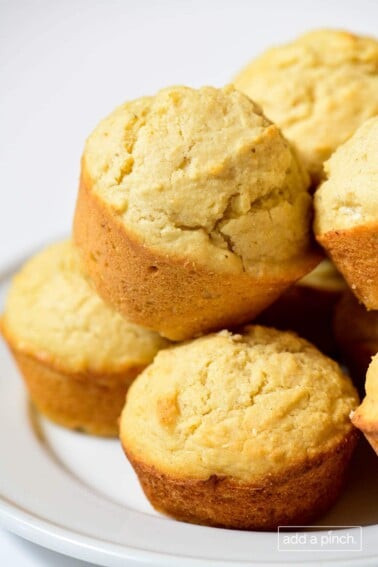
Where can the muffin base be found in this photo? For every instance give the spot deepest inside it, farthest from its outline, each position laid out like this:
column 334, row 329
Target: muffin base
column 354, row 252
column 175, row 297
column 84, row 402
column 295, row 497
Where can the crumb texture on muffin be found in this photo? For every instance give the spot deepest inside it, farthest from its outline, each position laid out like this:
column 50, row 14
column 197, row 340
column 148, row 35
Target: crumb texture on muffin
column 53, row 314
column 237, row 405
column 319, row 89
column 349, row 197
column 202, row 175
column 193, row 212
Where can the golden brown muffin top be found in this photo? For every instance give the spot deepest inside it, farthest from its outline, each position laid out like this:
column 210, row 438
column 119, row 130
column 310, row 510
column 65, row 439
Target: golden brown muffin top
column 202, row 175
column 238, row 405
column 319, row 89
column 54, row 314
column 349, row 196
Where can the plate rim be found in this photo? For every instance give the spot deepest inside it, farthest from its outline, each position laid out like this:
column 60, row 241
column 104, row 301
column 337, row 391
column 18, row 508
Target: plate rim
column 31, row 526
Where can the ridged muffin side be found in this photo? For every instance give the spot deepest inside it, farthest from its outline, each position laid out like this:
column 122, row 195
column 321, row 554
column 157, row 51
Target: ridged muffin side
column 346, row 212
column 193, row 212
column 246, row 430
column 77, row 355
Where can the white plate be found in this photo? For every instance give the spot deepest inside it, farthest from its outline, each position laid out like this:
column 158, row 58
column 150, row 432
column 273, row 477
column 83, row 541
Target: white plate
column 78, row 495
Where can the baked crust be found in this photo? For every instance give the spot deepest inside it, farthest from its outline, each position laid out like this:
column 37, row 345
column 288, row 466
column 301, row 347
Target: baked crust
column 179, row 299
column 82, row 401
column 295, row 497
column 355, row 252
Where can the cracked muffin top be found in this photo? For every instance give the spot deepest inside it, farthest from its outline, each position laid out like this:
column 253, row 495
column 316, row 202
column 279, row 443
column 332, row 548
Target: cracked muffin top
column 239, row 405
column 318, row 89
column 202, row 175
column 349, row 196
column 52, row 313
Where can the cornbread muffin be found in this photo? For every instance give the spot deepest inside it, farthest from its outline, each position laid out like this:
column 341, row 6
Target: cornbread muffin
column 246, row 431
column 318, row 89
column 366, row 415
column 356, row 333
column 308, row 307
column 76, row 354
column 193, row 212
column 346, row 212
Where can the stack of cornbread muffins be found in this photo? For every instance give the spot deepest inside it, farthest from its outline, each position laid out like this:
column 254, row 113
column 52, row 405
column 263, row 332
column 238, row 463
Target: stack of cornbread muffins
column 210, row 224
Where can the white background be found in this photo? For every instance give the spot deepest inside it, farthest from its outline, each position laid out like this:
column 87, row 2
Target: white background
column 66, row 64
